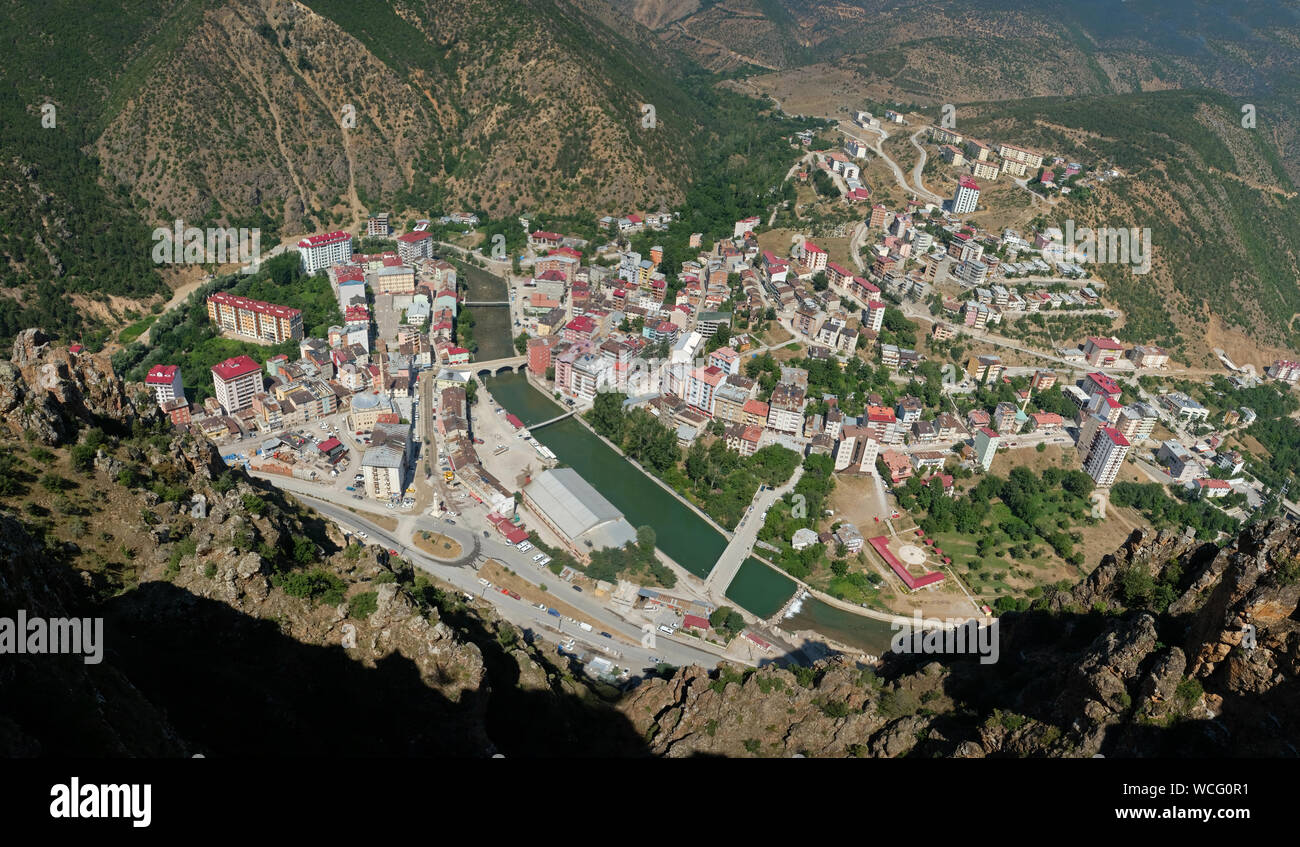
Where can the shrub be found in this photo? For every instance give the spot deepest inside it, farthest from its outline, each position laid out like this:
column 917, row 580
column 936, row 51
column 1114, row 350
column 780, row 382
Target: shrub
column 363, row 605
column 316, row 585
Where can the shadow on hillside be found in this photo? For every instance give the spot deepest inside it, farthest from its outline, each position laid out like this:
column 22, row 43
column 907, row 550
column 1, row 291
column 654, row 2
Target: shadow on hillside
column 233, row 685
column 1038, row 675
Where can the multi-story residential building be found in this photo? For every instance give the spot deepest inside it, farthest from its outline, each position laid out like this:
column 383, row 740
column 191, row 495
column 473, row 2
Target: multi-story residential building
column 725, row 358
column 1136, row 422
column 785, row 409
column 589, row 374
column 939, row 135
column 743, row 439
column 235, row 381
column 1184, row 406
column 985, row 369
column 873, row 316
column 377, row 226
column 942, row 331
column 986, row 446
column 1106, row 456
column 166, row 382
column 729, row 403
column 1043, row 380
column 984, row 170
column 1019, row 154
column 966, row 197
column 947, row 427
column 318, row 252
column 413, row 246
column 393, row 278
column 909, row 410
column 383, row 465
column 856, row 450
column 814, row 257
column 1148, row 356
column 254, row 318
column 701, row 386
column 1010, row 166
column 1285, row 370
column 1007, row 419
column 1102, row 352
column 580, row 329
column 805, row 321
column 1100, row 383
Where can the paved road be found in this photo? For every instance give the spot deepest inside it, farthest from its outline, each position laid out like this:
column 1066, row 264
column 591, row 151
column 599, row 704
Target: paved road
column 853, row 131
column 518, row 612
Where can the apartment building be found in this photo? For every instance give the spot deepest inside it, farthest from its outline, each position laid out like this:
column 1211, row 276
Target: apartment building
column 785, row 409
column 318, row 252
column 254, row 318
column 166, row 382
column 1106, row 456
column 413, row 246
column 235, row 381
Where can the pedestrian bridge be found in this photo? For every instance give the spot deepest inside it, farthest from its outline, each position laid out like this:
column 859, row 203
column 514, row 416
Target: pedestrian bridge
column 537, row 426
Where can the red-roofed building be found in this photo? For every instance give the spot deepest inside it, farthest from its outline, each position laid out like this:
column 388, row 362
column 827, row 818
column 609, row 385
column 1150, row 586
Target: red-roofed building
column 1106, row 455
column 1046, row 422
column 235, row 381
column 814, row 257
column 542, row 238
column 166, row 382
column 695, row 621
column 1213, row 487
column 318, row 252
column 1099, row 383
column 254, row 318
column 333, row 448
column 754, row 413
column 414, row 245
column 1102, row 352
column 580, row 328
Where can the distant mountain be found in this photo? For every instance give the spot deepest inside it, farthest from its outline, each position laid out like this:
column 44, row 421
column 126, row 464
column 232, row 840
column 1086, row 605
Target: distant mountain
column 298, row 116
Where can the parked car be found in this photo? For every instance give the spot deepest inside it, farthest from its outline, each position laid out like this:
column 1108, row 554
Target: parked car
column 524, row 546
column 577, row 588
column 392, row 552
column 363, row 535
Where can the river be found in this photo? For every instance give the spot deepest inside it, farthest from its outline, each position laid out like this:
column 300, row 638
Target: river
column 681, row 534
column 492, row 329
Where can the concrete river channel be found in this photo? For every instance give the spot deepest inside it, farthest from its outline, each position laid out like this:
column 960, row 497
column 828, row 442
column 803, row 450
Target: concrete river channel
column 682, row 534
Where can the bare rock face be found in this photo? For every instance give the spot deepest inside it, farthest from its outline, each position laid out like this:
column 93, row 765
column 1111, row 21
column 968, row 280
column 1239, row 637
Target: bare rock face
column 48, row 390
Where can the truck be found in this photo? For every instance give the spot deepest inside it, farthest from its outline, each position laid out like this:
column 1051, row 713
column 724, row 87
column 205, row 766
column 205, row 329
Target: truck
column 585, row 627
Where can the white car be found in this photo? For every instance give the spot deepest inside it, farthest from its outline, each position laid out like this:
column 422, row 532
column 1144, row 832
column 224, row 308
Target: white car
column 539, row 557
column 362, row 535
column 524, row 546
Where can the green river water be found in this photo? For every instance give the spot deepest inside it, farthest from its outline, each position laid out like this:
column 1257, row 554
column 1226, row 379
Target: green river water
column 682, row 534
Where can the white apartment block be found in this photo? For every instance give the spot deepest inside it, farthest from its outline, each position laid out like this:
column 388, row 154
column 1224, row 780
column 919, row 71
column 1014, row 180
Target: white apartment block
column 318, row 252
column 1106, row 456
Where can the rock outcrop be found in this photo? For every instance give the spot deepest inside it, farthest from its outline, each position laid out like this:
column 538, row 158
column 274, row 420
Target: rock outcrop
column 47, row 390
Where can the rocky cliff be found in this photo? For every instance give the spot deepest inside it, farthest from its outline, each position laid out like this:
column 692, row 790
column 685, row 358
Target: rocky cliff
column 1098, row 669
